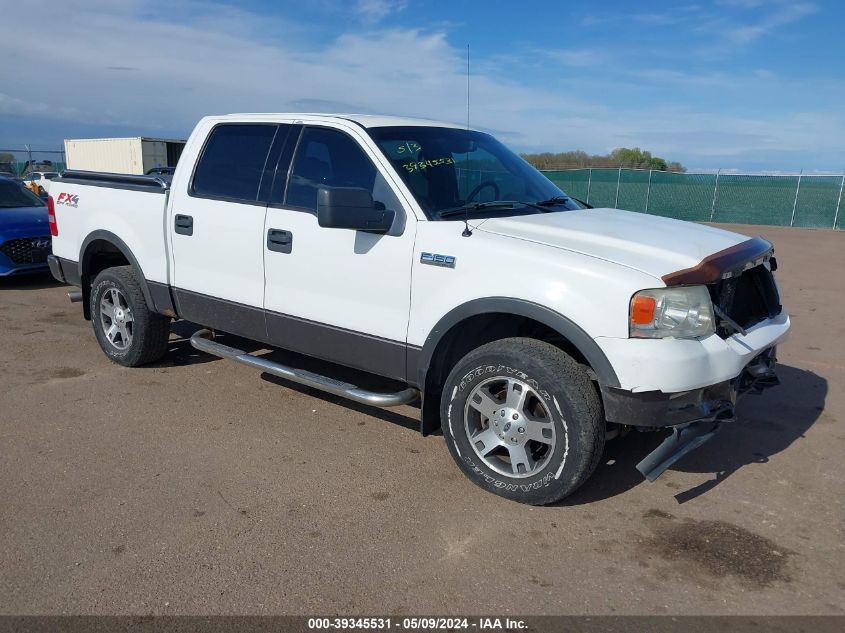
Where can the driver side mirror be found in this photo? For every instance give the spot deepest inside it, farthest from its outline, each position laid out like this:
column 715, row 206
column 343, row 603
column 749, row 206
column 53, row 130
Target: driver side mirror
column 352, row 208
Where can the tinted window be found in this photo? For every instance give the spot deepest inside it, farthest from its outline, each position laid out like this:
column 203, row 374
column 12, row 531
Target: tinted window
column 13, row 195
column 329, row 158
column 232, row 163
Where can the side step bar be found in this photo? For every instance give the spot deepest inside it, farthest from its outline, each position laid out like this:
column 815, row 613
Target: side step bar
column 203, row 340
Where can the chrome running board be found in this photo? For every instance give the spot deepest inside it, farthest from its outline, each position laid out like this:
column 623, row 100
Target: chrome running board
column 203, row 340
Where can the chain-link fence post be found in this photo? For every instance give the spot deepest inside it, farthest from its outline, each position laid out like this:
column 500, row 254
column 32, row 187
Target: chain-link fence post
column 715, row 193
column 618, row 180
column 838, row 202
column 589, row 183
column 795, row 202
column 648, row 191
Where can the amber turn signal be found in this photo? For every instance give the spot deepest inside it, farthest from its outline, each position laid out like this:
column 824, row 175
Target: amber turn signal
column 642, row 309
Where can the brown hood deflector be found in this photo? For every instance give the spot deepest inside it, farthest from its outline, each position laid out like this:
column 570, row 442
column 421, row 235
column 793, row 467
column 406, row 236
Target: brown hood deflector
column 713, row 267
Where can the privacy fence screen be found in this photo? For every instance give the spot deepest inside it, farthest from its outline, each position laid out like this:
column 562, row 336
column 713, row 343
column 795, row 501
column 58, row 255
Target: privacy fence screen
column 812, row 201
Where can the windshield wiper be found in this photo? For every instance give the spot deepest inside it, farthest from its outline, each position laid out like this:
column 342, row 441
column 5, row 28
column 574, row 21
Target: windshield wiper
column 553, row 201
column 543, row 206
column 478, row 206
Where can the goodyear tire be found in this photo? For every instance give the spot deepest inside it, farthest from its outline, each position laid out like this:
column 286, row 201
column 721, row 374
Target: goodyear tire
column 522, row 419
column 128, row 332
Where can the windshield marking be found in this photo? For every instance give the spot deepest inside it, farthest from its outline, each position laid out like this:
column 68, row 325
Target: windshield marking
column 475, row 173
column 425, row 164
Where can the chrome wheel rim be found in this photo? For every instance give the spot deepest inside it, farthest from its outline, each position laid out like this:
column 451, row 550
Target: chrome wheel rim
column 116, row 319
column 509, row 427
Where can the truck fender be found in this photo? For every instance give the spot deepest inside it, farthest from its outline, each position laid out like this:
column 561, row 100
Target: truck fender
column 564, row 326
column 582, row 341
column 120, row 245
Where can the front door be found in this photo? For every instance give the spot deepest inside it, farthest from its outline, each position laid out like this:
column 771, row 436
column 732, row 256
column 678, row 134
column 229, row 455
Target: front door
column 339, row 294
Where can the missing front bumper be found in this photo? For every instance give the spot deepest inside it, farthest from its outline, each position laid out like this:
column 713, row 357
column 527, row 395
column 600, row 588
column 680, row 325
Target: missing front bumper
column 694, row 416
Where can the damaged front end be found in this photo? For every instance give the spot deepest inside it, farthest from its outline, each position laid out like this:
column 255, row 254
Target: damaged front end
column 694, row 416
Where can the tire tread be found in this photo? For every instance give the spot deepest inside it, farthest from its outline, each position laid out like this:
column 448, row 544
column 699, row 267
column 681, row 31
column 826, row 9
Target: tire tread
column 154, row 329
column 575, row 377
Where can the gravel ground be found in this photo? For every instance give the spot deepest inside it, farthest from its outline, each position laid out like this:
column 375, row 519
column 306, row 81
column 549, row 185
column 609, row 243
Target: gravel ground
column 198, row 486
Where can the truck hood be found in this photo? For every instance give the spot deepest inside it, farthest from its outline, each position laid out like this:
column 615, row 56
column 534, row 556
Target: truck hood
column 651, row 244
column 23, row 221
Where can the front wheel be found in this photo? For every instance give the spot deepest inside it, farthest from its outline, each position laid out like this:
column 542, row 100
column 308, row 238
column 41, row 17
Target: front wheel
column 128, row 332
column 522, row 419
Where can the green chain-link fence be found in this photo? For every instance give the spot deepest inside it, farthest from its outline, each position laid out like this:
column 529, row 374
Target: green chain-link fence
column 802, row 200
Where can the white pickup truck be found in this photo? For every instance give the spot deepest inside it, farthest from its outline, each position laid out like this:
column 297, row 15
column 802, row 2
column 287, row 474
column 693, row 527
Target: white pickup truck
column 528, row 326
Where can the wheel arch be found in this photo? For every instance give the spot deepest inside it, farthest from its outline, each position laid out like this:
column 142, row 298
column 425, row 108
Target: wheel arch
column 103, row 249
column 489, row 319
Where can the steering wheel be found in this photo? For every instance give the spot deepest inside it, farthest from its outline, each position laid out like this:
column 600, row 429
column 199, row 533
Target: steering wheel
column 482, row 185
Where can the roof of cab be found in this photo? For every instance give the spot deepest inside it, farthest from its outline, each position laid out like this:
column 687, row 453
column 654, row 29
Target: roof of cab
column 364, row 120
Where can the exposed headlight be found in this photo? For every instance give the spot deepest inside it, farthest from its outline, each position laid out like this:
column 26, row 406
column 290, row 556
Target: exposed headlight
column 682, row 312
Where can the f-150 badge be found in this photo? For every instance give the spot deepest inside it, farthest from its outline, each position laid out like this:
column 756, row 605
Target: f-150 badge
column 434, row 259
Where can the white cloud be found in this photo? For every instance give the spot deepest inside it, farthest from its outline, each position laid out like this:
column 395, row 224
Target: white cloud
column 373, row 11
column 208, row 59
column 184, row 69
column 13, row 106
column 773, row 14
column 782, row 17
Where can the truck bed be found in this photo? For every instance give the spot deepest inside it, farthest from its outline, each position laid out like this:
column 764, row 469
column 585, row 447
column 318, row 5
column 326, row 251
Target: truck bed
column 132, row 209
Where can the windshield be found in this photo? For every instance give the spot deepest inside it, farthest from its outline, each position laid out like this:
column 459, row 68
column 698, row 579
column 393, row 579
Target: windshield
column 13, row 195
column 452, row 171
column 50, row 175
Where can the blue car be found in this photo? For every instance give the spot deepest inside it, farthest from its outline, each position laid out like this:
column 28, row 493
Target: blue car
column 25, row 238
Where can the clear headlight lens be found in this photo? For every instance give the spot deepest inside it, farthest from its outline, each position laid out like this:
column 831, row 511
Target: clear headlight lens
column 682, row 312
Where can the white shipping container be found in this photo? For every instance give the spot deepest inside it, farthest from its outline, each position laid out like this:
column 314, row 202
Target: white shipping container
column 133, row 155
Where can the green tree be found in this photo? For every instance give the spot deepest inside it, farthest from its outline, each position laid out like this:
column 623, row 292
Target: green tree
column 634, row 158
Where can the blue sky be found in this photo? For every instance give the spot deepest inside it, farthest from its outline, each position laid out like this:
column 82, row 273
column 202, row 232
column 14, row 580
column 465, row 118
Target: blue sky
column 752, row 85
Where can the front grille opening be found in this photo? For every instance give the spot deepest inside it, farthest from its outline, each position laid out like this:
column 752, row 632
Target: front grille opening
column 747, row 299
column 27, row 250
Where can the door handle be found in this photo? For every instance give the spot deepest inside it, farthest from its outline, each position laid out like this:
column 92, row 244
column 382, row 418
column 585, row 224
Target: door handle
column 279, row 241
column 183, row 224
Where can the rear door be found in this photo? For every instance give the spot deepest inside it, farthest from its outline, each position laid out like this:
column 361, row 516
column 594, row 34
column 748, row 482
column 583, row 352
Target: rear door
column 217, row 228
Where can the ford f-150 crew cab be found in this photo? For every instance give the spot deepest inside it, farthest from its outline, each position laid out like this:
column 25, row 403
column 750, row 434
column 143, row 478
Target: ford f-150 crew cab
column 528, row 326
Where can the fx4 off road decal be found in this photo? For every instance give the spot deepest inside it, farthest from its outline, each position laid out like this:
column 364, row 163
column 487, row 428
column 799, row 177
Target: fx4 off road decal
column 68, row 200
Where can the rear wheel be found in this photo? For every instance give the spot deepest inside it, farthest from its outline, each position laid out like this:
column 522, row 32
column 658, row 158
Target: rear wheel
column 523, row 420
column 128, row 332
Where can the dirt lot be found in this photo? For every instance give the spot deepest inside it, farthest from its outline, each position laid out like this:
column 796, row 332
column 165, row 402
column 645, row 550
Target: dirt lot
column 197, row 486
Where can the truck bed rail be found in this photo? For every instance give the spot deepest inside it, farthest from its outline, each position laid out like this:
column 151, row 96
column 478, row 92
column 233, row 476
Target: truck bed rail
column 152, row 184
